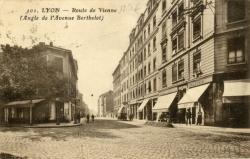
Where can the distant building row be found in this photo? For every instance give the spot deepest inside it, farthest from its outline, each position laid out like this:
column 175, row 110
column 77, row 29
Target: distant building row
column 187, row 55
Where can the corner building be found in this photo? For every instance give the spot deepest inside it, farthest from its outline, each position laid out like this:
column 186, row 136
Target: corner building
column 191, row 55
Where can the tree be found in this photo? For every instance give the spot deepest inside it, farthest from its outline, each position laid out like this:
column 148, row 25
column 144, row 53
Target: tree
column 25, row 74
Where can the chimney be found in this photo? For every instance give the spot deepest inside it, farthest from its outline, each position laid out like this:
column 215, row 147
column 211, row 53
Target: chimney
column 51, row 43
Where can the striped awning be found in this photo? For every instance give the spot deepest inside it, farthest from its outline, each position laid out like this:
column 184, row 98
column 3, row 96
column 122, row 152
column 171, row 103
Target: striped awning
column 164, row 102
column 192, row 95
column 236, row 88
column 144, row 103
column 120, row 109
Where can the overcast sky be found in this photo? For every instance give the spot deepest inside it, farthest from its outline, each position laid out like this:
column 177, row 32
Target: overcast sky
column 97, row 45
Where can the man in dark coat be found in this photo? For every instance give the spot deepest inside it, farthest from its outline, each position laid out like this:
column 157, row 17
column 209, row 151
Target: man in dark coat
column 188, row 116
column 88, row 118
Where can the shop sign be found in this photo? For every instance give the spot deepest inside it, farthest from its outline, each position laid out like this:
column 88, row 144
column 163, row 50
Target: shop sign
column 200, row 82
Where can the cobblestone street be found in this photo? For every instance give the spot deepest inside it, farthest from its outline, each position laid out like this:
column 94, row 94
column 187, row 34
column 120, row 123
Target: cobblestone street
column 107, row 139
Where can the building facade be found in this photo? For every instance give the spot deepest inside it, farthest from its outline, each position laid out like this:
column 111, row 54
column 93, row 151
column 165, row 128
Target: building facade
column 47, row 109
column 106, row 104
column 117, row 89
column 188, row 56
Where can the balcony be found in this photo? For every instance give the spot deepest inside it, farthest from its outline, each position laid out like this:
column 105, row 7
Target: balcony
column 181, row 23
column 198, row 7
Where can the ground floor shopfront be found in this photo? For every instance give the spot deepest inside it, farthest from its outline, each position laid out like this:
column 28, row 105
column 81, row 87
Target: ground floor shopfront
column 223, row 102
column 145, row 109
column 38, row 111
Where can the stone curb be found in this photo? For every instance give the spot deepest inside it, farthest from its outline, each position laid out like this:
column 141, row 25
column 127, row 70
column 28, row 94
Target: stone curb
column 52, row 126
column 213, row 129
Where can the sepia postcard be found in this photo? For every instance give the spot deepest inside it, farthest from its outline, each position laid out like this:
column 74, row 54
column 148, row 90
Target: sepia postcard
column 124, row 79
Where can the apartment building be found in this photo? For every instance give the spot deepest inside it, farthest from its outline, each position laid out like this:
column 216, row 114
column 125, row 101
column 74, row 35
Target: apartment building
column 106, row 104
column 232, row 47
column 187, row 58
column 191, row 55
column 117, row 89
column 124, row 83
column 46, row 108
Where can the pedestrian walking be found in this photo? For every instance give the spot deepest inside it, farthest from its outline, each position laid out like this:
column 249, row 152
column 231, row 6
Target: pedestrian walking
column 87, row 118
column 78, row 117
column 199, row 118
column 188, row 117
column 93, row 118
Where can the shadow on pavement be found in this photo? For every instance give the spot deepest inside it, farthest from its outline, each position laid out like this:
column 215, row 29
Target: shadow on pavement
column 96, row 129
column 9, row 156
column 215, row 138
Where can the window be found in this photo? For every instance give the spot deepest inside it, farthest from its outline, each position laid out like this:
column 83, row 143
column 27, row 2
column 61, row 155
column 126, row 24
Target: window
column 196, row 62
column 141, row 56
column 164, row 30
column 236, row 50
column 145, row 35
column 164, row 5
column 154, row 44
column 174, row 72
column 149, row 29
column 181, row 11
column 174, row 18
column 56, row 63
column 197, row 28
column 149, row 68
column 164, row 54
column 149, row 49
column 154, row 85
column 164, row 78
column 154, row 2
column 154, row 22
column 195, row 2
column 149, row 9
column 154, row 64
column 174, row 45
column 149, row 87
column 236, row 10
column 145, row 54
column 145, row 71
column 181, row 41
column 180, row 70
column 142, row 90
column 145, row 88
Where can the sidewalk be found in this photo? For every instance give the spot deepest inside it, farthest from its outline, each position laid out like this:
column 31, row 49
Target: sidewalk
column 213, row 129
column 44, row 125
column 53, row 125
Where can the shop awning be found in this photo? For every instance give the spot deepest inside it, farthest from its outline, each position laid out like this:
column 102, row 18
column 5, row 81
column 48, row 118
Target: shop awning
column 24, row 102
column 164, row 102
column 236, row 88
column 144, row 103
column 120, row 109
column 192, row 95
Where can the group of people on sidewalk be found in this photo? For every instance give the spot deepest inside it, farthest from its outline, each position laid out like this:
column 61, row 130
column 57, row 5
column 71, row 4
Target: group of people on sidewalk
column 88, row 118
column 189, row 117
